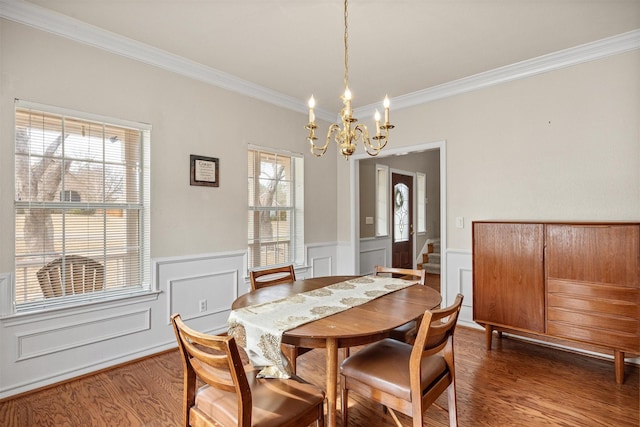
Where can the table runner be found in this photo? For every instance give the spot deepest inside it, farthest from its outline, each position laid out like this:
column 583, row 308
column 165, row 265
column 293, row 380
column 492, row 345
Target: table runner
column 259, row 328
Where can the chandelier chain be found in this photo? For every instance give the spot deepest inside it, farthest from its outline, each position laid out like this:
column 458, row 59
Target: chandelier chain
column 346, row 47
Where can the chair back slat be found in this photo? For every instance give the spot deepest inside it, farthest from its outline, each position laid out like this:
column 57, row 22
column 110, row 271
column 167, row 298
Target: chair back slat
column 211, row 357
column 403, row 273
column 436, row 332
column 272, row 276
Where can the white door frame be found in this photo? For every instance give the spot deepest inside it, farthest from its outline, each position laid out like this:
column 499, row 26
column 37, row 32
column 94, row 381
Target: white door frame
column 355, row 203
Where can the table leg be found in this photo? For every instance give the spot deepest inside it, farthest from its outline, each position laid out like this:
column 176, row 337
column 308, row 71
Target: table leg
column 332, row 380
column 618, row 358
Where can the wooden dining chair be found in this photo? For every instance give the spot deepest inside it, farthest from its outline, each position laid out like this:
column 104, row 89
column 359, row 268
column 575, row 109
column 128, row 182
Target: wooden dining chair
column 272, row 276
column 407, row 332
column 406, row 378
column 275, row 276
column 76, row 274
column 232, row 395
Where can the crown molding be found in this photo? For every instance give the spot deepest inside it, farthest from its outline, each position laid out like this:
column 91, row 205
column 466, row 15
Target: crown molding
column 79, row 31
column 64, row 26
column 599, row 49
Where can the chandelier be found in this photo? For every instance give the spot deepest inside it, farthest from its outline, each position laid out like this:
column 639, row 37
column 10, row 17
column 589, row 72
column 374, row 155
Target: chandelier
column 350, row 134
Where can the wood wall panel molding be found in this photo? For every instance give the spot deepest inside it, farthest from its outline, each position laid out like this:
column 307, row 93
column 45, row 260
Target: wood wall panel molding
column 219, row 289
column 64, row 337
column 321, row 266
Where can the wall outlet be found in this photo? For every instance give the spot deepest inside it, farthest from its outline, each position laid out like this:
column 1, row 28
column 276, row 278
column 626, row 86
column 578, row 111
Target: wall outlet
column 203, row 305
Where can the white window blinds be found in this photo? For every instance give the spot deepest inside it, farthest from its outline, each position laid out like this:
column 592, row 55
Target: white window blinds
column 276, row 208
column 81, row 207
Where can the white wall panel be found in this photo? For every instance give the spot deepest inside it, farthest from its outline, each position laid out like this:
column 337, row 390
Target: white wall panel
column 216, row 291
column 374, row 252
column 64, row 337
column 321, row 258
column 460, row 280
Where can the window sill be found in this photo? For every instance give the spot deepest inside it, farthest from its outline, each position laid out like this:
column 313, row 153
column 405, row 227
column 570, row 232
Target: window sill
column 79, row 307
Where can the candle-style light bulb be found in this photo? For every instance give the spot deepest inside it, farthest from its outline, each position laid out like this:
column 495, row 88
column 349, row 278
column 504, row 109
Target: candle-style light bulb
column 312, row 103
column 377, row 119
column 347, row 100
column 386, row 110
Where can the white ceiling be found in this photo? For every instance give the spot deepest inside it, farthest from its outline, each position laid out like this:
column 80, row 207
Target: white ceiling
column 396, row 47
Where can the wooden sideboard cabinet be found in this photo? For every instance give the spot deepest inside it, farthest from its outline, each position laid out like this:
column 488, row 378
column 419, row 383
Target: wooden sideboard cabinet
column 573, row 281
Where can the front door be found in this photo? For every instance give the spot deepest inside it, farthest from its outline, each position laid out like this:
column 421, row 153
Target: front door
column 402, row 235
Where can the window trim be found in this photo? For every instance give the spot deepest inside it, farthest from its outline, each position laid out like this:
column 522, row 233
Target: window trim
column 382, row 207
column 421, row 205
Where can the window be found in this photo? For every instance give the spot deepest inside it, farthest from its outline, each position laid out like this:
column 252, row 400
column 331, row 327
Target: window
column 81, row 207
column 422, row 202
column 276, row 208
column 382, row 200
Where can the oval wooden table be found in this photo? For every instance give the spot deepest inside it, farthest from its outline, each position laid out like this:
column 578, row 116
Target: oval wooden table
column 358, row 325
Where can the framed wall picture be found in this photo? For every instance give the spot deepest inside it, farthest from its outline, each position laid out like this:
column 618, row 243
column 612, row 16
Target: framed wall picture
column 205, row 171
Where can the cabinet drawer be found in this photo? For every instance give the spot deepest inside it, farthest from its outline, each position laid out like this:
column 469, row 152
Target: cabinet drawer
column 596, row 313
column 600, row 323
column 594, row 305
column 596, row 290
column 606, row 338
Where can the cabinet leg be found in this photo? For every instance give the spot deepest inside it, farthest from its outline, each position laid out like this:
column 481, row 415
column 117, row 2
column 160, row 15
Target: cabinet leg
column 618, row 358
column 488, row 335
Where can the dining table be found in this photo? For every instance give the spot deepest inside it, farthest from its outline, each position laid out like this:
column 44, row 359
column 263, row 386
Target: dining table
column 358, row 325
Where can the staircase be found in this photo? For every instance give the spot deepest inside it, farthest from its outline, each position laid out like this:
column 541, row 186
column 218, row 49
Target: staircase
column 431, row 260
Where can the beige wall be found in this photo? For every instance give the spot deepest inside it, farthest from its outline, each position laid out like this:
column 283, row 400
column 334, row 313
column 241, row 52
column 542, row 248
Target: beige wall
column 188, row 117
column 560, row 145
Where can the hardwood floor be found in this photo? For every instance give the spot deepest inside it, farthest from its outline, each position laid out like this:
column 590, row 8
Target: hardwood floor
column 515, row 384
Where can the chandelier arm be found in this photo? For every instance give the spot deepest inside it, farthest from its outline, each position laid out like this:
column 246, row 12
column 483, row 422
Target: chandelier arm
column 360, row 133
column 316, row 150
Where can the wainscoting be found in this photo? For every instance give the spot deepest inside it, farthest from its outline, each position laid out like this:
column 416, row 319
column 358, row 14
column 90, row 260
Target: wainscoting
column 45, row 348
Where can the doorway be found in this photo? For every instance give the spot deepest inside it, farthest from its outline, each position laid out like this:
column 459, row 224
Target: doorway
column 437, row 221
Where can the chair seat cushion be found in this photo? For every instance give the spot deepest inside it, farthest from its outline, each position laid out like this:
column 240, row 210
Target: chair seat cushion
column 385, row 366
column 275, row 401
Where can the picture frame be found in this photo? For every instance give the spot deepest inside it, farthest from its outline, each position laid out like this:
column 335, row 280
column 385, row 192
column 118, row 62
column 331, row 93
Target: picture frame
column 205, row 171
